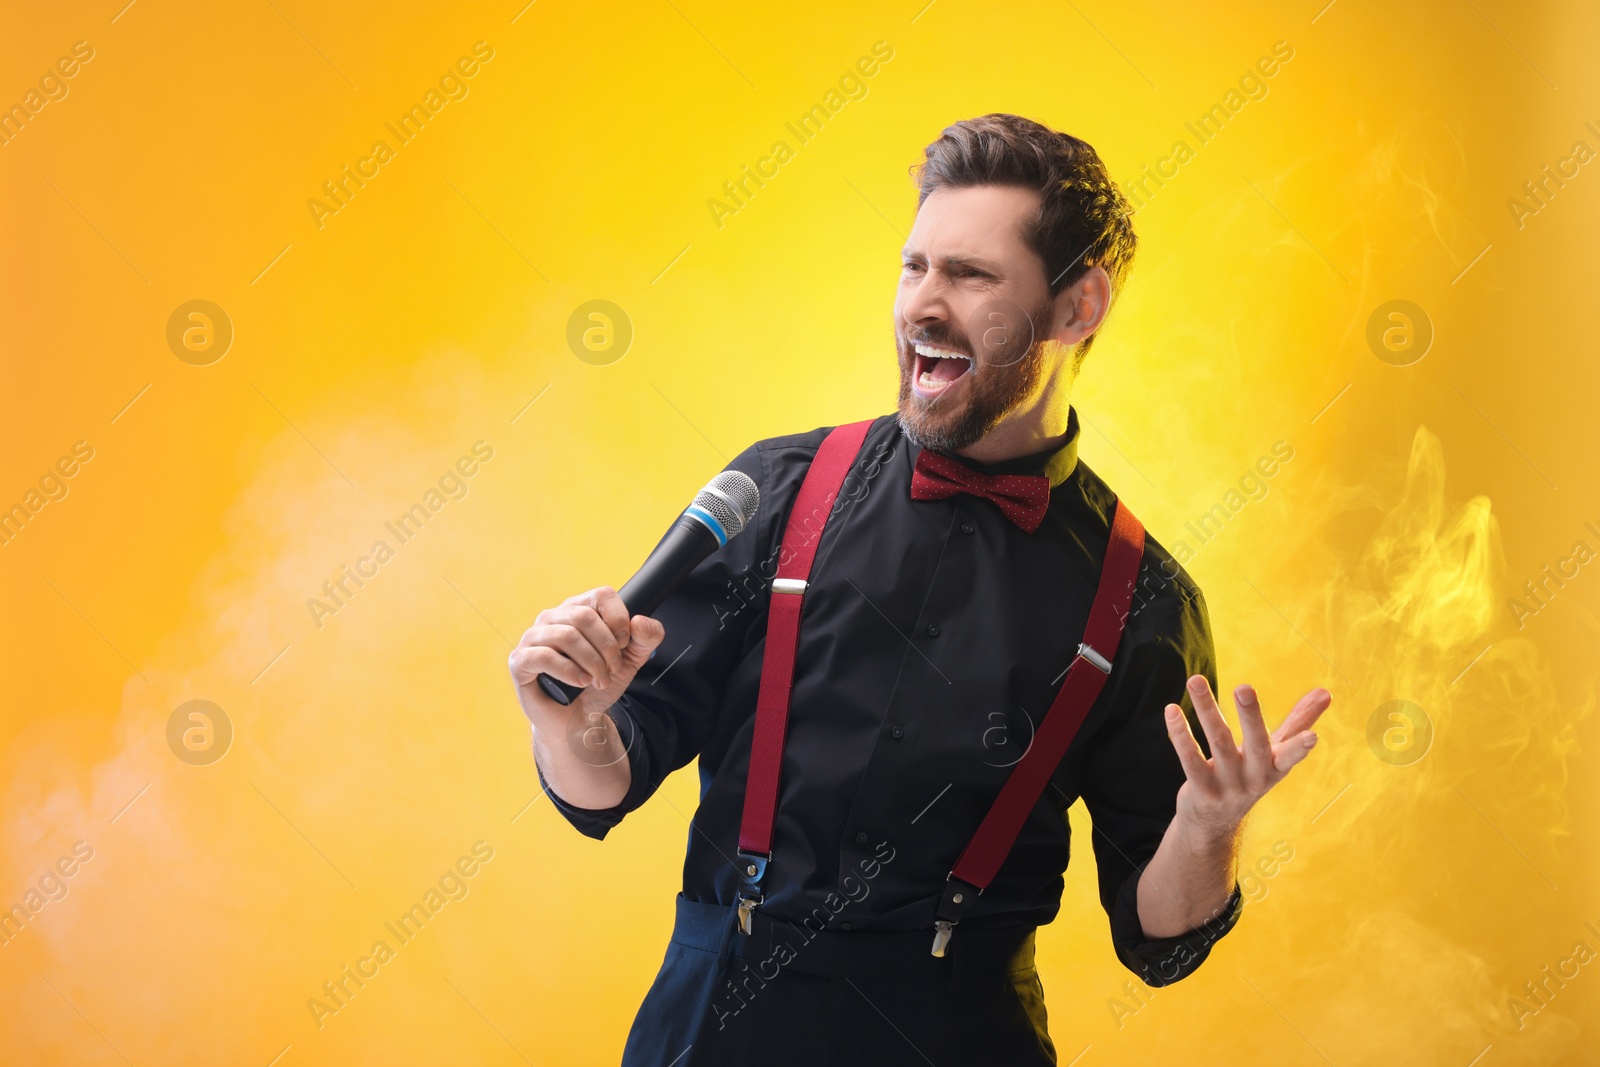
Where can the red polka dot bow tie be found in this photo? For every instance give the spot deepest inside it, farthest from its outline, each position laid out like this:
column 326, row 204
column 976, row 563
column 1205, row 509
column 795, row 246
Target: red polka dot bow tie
column 1022, row 497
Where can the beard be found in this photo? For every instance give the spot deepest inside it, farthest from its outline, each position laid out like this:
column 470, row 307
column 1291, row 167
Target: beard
column 998, row 385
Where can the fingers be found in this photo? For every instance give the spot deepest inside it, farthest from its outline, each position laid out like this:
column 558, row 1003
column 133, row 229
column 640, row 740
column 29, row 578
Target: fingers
column 1288, row 753
column 577, row 630
column 1189, row 754
column 578, row 645
column 1257, row 745
column 646, row 635
column 612, row 611
column 1220, row 738
column 1304, row 714
column 527, row 662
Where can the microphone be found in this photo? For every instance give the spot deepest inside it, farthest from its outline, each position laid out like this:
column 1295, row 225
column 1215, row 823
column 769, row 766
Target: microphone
column 719, row 513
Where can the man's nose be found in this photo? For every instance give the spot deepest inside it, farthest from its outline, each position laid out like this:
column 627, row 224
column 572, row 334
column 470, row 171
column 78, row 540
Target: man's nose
column 927, row 303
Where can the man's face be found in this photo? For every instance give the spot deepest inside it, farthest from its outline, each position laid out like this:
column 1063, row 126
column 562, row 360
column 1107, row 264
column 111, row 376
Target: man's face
column 972, row 315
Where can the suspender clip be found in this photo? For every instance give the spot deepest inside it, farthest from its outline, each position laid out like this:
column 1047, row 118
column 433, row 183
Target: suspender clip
column 747, row 907
column 1099, row 662
column 752, row 865
column 957, row 897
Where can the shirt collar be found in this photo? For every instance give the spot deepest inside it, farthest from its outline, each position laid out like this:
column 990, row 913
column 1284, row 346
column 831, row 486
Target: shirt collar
column 1057, row 463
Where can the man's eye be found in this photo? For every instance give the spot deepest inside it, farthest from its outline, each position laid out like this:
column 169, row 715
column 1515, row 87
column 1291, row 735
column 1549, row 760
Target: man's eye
column 911, row 266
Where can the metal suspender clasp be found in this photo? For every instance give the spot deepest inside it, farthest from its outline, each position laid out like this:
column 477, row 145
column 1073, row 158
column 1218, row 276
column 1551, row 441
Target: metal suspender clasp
column 752, row 865
column 957, row 897
column 747, row 907
column 1100, row 663
column 789, row 585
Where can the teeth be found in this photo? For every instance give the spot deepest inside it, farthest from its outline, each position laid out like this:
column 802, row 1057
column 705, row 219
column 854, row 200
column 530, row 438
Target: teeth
column 939, row 353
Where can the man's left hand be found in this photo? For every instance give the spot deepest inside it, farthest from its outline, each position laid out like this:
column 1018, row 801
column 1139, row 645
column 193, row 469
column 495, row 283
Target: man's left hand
column 1221, row 790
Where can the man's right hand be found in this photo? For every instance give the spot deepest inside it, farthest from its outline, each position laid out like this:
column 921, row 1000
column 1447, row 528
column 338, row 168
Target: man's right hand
column 589, row 640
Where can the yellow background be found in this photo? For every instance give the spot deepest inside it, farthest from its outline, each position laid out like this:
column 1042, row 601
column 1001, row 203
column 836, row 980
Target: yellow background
column 372, row 751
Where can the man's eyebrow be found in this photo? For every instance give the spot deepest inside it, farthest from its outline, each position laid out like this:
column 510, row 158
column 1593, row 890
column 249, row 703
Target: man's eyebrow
column 953, row 261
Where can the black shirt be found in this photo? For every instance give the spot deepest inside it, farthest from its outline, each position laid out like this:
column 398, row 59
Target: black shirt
column 934, row 638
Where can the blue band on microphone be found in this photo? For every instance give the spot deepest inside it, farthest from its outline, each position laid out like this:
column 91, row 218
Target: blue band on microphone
column 709, row 521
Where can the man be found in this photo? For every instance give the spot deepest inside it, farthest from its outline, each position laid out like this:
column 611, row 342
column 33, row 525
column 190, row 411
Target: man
column 953, row 580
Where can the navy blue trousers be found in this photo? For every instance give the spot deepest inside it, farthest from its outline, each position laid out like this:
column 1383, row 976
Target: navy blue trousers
column 788, row 994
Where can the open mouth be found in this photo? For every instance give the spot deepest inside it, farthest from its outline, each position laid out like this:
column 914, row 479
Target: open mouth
column 936, row 370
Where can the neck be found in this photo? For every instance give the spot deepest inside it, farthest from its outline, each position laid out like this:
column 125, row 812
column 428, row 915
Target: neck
column 1038, row 427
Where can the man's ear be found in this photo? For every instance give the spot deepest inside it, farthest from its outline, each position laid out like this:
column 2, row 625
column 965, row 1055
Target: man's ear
column 1081, row 307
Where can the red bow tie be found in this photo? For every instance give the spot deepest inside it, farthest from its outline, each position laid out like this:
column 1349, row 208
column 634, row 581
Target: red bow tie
column 1022, row 497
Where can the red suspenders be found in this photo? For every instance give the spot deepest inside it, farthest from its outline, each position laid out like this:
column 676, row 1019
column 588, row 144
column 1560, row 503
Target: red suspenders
column 1086, row 676
column 812, row 506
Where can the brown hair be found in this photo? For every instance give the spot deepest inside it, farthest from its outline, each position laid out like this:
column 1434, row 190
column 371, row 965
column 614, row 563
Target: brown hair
column 1084, row 220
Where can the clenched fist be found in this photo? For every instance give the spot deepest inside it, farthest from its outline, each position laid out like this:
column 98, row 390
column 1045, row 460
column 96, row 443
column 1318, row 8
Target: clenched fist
column 589, row 640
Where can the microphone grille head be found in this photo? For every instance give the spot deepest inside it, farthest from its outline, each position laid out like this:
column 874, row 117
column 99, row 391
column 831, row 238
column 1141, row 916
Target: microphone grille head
column 732, row 498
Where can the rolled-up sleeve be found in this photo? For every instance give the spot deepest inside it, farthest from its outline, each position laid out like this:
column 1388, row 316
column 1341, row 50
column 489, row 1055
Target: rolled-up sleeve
column 1132, row 781
column 667, row 712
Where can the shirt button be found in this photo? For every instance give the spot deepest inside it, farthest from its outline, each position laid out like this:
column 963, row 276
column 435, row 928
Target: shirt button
column 966, row 527
column 844, row 926
column 896, row 732
column 861, row 838
column 933, row 629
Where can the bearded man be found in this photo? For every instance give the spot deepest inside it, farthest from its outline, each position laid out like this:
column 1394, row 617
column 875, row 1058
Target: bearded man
column 987, row 636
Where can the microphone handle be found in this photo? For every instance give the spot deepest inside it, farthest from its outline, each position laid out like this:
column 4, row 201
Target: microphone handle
column 686, row 544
